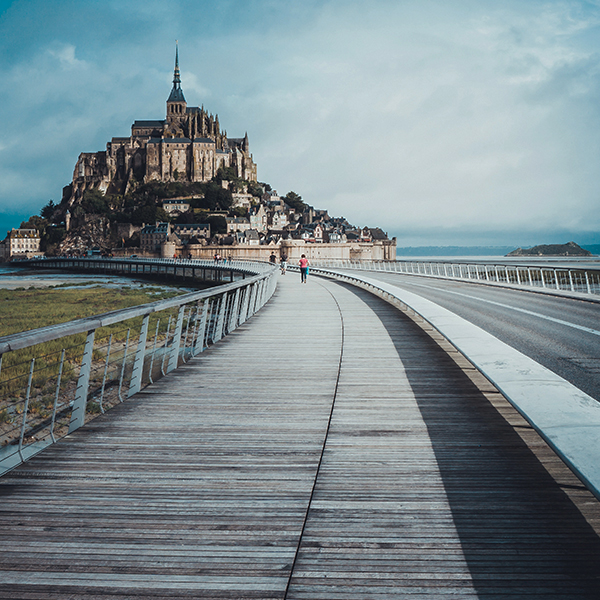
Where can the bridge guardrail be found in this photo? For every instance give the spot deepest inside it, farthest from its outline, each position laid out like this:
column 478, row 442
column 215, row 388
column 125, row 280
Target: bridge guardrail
column 549, row 277
column 211, row 270
column 56, row 378
column 567, row 418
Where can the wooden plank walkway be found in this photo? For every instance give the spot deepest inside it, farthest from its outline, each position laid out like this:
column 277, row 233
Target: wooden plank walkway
column 326, row 449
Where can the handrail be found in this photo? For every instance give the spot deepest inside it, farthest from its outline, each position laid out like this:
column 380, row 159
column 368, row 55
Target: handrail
column 566, row 417
column 549, row 278
column 107, row 356
column 26, row 339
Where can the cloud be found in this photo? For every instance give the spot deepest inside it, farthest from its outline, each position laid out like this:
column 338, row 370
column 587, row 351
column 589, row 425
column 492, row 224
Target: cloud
column 448, row 118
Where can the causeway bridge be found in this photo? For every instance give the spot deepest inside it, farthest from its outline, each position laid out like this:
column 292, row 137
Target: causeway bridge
column 340, row 439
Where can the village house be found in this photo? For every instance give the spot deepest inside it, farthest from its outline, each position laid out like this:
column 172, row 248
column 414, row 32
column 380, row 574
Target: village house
column 277, row 220
column 259, row 218
column 20, row 243
column 335, row 237
column 186, row 231
column 175, row 206
column 251, row 237
column 242, row 200
column 237, row 224
column 152, row 236
column 319, row 233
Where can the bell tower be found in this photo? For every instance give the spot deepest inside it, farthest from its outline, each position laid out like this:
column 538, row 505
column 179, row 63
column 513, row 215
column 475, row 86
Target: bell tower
column 176, row 104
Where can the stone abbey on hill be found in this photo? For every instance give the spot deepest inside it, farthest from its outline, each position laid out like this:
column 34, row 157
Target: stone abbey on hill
column 186, row 146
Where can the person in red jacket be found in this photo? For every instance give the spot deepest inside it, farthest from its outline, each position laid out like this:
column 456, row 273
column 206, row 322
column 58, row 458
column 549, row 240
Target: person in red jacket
column 303, row 262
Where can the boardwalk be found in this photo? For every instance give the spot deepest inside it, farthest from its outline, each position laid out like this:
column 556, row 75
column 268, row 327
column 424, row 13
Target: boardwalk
column 326, row 449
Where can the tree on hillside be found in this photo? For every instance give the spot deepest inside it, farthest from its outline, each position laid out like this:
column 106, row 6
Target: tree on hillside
column 48, row 210
column 239, row 211
column 217, row 224
column 294, row 201
column 255, row 189
column 35, row 222
column 185, row 218
column 215, row 198
column 225, row 174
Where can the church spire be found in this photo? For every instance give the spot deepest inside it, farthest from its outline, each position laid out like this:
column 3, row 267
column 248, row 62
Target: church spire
column 176, row 77
column 176, row 92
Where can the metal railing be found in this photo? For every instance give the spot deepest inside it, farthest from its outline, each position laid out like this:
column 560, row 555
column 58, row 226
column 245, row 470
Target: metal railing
column 55, row 379
column 548, row 277
column 205, row 270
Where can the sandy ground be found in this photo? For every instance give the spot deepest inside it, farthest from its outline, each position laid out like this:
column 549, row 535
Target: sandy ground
column 9, row 282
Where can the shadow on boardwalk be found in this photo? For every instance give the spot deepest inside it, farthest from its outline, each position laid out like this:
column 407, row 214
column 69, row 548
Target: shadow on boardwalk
column 521, row 534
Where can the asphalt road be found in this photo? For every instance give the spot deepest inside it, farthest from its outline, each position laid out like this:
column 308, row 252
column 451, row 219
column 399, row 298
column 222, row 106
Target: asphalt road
column 562, row 334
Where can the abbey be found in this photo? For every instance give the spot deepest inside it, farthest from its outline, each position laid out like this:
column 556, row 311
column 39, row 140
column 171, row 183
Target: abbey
column 186, row 146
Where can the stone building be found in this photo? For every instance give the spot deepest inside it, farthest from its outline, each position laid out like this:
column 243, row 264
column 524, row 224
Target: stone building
column 176, row 206
column 237, row 224
column 188, row 145
column 152, row 236
column 20, row 243
column 185, row 231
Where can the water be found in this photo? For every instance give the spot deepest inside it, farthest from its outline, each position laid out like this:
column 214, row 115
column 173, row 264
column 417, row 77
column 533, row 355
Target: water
column 12, row 277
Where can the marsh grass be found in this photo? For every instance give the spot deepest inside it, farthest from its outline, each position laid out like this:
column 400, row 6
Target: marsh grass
column 22, row 310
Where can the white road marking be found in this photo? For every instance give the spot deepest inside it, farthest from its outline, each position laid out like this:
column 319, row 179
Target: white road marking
column 521, row 310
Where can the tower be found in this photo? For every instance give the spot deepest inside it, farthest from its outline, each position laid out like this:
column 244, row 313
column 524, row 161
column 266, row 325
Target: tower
column 176, row 104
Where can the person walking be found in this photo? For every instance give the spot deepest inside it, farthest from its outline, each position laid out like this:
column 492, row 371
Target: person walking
column 303, row 262
column 272, row 258
column 283, row 263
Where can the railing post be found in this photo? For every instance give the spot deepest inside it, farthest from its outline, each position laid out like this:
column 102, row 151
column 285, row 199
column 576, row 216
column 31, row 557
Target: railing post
column 105, row 373
column 234, row 317
column 138, row 363
column 150, row 368
column 252, row 301
column 174, row 358
column 256, row 297
column 245, row 304
column 571, row 280
column 185, row 337
column 124, row 364
column 83, row 382
column 56, row 395
column 259, row 293
column 587, row 285
column 199, row 345
column 556, row 279
column 221, row 319
column 25, row 409
column 542, row 277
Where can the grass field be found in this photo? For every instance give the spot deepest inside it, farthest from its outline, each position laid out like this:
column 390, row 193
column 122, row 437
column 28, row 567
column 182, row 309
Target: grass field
column 23, row 310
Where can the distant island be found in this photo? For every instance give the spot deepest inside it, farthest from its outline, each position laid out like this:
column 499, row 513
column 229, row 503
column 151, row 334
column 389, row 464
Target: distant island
column 180, row 187
column 568, row 249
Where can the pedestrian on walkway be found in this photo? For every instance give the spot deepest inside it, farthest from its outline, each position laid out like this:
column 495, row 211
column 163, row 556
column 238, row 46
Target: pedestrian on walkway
column 272, row 258
column 303, row 262
column 283, row 263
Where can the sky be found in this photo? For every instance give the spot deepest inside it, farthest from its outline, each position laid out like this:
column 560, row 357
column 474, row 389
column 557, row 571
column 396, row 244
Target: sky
column 470, row 122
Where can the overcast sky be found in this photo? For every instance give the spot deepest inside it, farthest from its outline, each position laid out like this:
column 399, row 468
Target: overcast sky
column 459, row 122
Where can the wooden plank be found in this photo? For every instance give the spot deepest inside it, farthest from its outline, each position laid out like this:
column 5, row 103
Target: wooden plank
column 199, row 485
column 427, row 491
